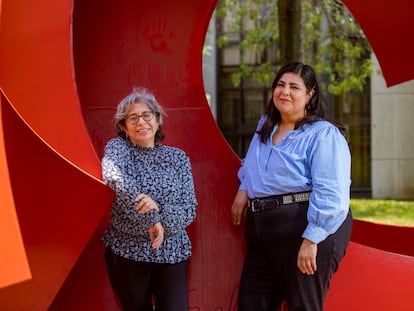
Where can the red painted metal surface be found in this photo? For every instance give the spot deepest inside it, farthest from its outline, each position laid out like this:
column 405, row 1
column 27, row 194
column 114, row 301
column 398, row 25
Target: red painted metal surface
column 395, row 239
column 14, row 260
column 59, row 208
column 387, row 24
column 63, row 67
column 371, row 279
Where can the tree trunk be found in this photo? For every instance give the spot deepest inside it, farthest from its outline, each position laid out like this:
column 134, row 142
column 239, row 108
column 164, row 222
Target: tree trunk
column 290, row 33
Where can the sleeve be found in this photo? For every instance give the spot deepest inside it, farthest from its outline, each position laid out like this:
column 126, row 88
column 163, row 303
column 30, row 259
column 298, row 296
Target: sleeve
column 111, row 168
column 330, row 167
column 176, row 216
column 241, row 173
column 116, row 166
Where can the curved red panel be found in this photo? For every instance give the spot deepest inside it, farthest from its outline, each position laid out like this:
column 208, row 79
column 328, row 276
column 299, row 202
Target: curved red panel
column 370, row 279
column 162, row 51
column 58, row 207
column 37, row 77
column 13, row 262
column 395, row 239
column 387, row 25
column 64, row 66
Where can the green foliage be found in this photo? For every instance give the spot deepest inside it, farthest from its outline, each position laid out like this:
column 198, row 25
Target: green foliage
column 393, row 212
column 207, row 49
column 347, row 49
column 332, row 41
column 253, row 26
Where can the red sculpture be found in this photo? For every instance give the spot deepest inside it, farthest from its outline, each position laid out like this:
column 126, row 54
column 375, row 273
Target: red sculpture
column 63, row 67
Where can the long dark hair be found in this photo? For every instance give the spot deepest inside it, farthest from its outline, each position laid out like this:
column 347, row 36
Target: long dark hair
column 315, row 109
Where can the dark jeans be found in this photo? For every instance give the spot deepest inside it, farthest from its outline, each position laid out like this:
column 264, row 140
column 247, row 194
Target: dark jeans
column 135, row 283
column 270, row 274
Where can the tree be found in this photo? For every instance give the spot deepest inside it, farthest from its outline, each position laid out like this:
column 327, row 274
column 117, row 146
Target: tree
column 322, row 33
column 290, row 34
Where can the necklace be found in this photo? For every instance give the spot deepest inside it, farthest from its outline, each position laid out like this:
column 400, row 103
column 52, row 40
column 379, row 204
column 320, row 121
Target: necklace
column 148, row 164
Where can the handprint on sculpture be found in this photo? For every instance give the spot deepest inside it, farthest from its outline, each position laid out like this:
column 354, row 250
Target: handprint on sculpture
column 158, row 35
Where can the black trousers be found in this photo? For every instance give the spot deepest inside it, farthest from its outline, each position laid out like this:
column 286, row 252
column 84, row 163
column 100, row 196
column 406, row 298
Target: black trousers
column 137, row 283
column 270, row 274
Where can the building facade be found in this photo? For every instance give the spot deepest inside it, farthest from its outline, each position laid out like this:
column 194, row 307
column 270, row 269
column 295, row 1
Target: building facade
column 392, row 138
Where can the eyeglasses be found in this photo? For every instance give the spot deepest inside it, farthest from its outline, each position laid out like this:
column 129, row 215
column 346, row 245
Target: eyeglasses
column 134, row 118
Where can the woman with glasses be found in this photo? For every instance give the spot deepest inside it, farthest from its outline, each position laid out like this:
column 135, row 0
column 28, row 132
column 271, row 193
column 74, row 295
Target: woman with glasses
column 147, row 246
column 295, row 191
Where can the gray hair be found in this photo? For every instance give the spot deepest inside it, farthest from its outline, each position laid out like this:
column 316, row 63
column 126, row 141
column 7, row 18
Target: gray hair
column 138, row 95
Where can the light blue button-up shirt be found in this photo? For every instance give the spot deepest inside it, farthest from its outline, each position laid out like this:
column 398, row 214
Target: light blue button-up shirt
column 315, row 158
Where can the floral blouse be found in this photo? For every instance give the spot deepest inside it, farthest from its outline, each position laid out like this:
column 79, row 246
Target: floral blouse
column 163, row 173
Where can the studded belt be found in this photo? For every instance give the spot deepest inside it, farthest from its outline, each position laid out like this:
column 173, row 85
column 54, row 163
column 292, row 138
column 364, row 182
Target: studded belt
column 273, row 202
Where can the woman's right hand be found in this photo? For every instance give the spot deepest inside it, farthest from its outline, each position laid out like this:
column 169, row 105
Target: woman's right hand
column 145, row 203
column 238, row 207
column 156, row 234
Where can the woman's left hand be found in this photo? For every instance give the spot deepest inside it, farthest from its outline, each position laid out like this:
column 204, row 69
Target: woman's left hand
column 145, row 204
column 156, row 234
column 307, row 257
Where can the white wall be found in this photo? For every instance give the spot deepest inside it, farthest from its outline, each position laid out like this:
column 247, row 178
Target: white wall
column 392, row 138
column 210, row 67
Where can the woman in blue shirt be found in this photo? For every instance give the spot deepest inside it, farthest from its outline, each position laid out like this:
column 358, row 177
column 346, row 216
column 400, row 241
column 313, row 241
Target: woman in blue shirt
column 295, row 183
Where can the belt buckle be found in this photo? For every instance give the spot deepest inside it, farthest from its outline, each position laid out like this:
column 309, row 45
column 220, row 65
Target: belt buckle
column 253, row 206
column 259, row 206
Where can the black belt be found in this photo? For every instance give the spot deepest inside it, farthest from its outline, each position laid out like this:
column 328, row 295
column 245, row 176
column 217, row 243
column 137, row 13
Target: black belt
column 273, row 202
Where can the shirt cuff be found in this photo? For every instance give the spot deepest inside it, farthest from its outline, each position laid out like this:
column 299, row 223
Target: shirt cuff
column 155, row 217
column 315, row 234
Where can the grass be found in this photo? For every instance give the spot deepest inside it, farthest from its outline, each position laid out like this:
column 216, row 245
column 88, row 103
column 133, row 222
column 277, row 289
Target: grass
column 395, row 212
